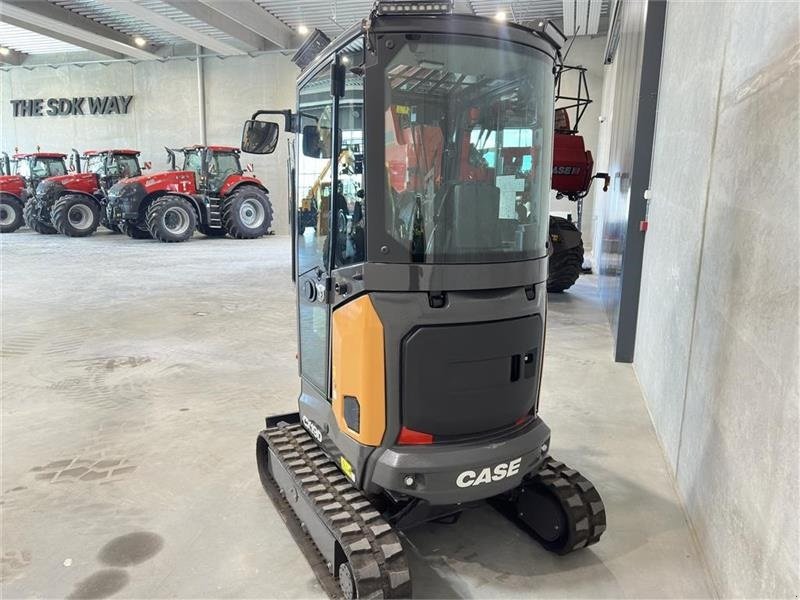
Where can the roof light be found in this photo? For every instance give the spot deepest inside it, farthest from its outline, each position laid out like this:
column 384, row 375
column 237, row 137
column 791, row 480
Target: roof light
column 302, row 30
column 140, row 41
column 410, row 7
column 4, row 51
column 345, row 60
column 500, row 16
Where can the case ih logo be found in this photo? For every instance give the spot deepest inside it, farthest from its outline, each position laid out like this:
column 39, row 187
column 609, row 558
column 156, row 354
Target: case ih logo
column 85, row 105
column 566, row 170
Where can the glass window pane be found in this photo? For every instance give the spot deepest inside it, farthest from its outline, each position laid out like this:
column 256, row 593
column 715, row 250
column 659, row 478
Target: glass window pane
column 468, row 130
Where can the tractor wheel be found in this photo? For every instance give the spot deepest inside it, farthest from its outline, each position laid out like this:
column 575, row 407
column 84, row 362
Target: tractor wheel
column 564, row 265
column 247, row 213
column 171, row 219
column 75, row 215
column 33, row 220
column 211, row 231
column 133, row 232
column 11, row 217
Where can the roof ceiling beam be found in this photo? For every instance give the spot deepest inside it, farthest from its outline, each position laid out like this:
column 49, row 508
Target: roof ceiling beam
column 136, row 10
column 13, row 57
column 58, row 23
column 250, row 15
column 215, row 19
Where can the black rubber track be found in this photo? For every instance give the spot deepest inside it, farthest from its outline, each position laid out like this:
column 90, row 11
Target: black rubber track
column 230, row 213
column 583, row 508
column 13, row 206
column 370, row 544
column 60, row 215
column 564, row 268
column 34, row 222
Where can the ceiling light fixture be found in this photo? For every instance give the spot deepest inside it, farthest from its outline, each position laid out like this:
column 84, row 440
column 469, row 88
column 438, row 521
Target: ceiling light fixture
column 4, row 51
column 140, row 41
column 302, row 30
column 500, row 16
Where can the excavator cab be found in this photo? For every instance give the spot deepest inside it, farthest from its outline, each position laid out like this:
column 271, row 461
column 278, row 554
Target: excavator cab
column 426, row 139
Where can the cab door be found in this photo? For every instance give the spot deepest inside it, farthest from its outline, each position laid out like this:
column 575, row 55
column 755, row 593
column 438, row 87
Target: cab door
column 315, row 179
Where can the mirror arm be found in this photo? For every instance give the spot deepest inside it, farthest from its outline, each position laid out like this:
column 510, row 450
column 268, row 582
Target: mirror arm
column 289, row 121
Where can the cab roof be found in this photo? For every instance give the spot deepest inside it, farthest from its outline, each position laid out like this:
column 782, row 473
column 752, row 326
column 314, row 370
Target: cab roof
column 126, row 151
column 39, row 155
column 212, row 148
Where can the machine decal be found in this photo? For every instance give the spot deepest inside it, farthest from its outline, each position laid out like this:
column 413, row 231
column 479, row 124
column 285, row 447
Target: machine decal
column 312, row 428
column 489, row 474
column 347, row 468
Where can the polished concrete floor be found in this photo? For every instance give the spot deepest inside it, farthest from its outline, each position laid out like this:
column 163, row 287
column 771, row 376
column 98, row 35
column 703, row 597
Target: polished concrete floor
column 135, row 376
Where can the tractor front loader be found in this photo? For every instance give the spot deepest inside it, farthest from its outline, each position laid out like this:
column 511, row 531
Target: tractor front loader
column 422, row 303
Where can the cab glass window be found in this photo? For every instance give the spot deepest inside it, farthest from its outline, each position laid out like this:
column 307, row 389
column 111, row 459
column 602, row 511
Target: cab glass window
column 350, row 216
column 468, row 128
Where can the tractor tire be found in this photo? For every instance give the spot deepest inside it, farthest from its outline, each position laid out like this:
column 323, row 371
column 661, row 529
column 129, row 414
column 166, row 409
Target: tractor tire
column 11, row 217
column 247, row 213
column 564, row 266
column 75, row 215
column 33, row 221
column 211, row 231
column 133, row 232
column 171, row 219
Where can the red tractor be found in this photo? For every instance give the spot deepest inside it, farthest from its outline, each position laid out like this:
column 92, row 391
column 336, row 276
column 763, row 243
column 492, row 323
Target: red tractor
column 572, row 178
column 211, row 193
column 21, row 175
column 74, row 204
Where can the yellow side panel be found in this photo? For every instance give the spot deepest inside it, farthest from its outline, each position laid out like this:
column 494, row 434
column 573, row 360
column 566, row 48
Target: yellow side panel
column 358, row 368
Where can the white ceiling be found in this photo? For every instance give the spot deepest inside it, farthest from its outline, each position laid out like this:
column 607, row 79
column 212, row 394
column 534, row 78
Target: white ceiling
column 331, row 16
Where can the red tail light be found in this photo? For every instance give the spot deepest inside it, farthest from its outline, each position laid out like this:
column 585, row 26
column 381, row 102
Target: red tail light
column 410, row 437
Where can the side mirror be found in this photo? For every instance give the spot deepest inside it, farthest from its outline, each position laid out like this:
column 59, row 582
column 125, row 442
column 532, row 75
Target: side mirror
column 147, row 165
column 249, row 167
column 260, row 137
column 316, row 141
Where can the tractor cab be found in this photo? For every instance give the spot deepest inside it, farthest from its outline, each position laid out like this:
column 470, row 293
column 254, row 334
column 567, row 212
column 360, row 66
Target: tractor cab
column 112, row 165
column 212, row 166
column 36, row 166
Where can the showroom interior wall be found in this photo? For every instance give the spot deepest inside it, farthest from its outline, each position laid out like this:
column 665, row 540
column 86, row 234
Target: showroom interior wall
column 717, row 344
column 164, row 111
column 630, row 95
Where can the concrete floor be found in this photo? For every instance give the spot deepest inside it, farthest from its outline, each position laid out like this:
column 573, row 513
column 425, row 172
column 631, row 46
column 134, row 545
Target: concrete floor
column 135, row 376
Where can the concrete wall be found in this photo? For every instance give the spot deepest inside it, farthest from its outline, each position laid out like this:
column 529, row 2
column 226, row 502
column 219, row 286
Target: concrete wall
column 164, row 111
column 586, row 52
column 717, row 345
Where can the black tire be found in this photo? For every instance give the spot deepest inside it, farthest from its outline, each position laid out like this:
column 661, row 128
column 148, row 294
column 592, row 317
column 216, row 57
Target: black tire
column 133, row 232
column 33, row 221
column 247, row 213
column 75, row 215
column 564, row 266
column 211, row 231
column 171, row 219
column 11, row 217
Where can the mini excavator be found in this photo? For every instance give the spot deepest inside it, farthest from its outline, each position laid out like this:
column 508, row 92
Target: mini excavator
column 421, row 304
